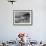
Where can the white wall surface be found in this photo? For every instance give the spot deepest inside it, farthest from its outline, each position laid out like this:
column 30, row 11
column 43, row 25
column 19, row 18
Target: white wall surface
column 38, row 30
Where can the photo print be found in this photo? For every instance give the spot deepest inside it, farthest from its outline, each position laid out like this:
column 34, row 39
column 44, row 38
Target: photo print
column 22, row 16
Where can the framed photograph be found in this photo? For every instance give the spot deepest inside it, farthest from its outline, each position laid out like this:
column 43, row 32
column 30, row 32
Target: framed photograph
column 22, row 17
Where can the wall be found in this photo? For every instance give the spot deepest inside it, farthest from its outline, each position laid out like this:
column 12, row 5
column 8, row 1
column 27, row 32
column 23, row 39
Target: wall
column 37, row 31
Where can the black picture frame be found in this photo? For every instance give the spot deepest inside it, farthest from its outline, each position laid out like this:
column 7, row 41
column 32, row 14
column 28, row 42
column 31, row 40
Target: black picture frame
column 18, row 15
